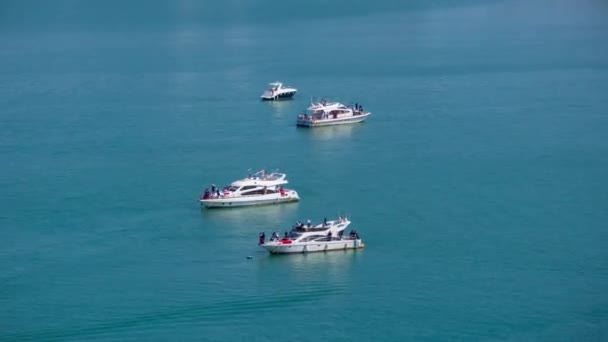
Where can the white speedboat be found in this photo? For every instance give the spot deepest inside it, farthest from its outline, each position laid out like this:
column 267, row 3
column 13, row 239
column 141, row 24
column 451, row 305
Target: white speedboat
column 256, row 189
column 306, row 238
column 325, row 113
column 278, row 91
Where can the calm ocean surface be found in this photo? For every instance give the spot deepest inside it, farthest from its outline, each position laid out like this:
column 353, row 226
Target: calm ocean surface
column 479, row 183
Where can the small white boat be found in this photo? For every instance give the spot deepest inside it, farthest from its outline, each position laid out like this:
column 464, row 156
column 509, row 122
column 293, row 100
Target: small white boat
column 306, row 238
column 278, row 91
column 259, row 188
column 325, row 113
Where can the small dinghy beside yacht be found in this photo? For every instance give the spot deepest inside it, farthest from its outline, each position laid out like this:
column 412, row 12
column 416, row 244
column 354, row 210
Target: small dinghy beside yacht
column 325, row 113
column 306, row 238
column 278, row 91
column 257, row 189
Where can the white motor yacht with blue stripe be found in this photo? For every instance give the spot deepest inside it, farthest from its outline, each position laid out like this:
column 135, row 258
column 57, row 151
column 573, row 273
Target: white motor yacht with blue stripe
column 278, row 91
column 257, row 189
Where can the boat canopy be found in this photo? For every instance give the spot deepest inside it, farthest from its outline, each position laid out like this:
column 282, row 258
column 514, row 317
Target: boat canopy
column 326, row 106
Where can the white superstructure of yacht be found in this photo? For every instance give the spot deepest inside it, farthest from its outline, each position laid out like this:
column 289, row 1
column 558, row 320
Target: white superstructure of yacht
column 259, row 188
column 278, row 91
column 325, row 113
column 307, row 238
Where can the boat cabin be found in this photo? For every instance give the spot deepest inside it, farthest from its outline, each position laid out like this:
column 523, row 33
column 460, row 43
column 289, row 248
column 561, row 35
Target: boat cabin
column 327, row 111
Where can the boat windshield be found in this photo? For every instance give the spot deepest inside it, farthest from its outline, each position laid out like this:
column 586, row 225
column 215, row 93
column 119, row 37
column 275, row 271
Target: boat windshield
column 294, row 235
column 231, row 188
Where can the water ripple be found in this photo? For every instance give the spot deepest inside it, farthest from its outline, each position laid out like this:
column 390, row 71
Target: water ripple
column 207, row 314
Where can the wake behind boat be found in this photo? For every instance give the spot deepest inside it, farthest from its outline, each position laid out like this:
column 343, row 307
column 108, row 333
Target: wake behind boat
column 278, row 91
column 257, row 189
column 306, row 238
column 325, row 113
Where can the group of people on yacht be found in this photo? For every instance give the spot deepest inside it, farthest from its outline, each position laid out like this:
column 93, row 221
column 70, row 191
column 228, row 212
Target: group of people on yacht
column 357, row 108
column 217, row 192
column 353, row 234
column 212, row 192
column 274, row 237
column 301, row 227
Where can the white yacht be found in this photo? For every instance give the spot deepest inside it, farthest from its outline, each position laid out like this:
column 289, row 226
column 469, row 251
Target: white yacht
column 306, row 238
column 278, row 91
column 325, row 113
column 256, row 189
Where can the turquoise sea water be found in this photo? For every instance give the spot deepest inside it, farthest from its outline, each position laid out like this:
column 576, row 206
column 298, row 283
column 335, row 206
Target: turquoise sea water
column 479, row 183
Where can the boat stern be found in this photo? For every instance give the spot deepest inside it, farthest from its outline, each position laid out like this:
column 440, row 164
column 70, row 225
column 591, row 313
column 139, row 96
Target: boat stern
column 304, row 121
column 267, row 96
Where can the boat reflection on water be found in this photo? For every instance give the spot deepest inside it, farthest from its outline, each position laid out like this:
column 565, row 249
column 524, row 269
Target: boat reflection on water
column 331, row 132
column 250, row 217
column 334, row 265
column 281, row 108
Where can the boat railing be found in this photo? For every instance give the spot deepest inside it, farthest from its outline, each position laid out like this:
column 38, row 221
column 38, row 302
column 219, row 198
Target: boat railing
column 335, row 238
column 285, row 193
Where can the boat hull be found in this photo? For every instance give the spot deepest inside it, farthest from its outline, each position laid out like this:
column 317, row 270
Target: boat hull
column 332, row 122
column 281, row 96
column 242, row 201
column 312, row 247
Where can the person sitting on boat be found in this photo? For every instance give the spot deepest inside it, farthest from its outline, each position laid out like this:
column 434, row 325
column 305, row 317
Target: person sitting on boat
column 340, row 233
column 329, row 236
column 206, row 193
column 308, row 223
column 325, row 222
column 262, row 238
column 286, row 235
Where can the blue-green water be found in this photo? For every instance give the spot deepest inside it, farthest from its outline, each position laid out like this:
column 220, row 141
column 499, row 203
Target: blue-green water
column 479, row 183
